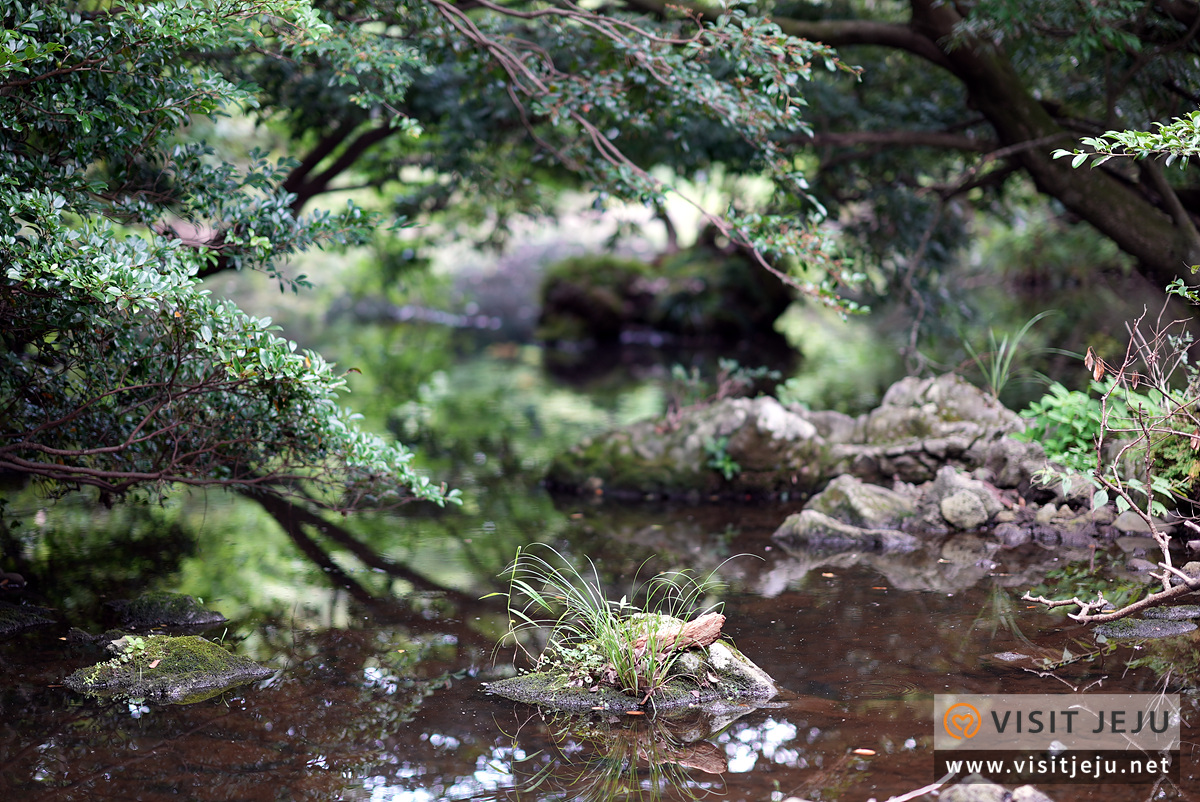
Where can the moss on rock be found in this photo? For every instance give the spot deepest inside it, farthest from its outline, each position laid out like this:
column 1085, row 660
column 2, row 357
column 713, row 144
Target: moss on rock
column 160, row 668
column 713, row 679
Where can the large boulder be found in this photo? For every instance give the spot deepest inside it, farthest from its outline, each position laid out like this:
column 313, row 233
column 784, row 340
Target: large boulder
column 701, row 294
column 760, row 447
column 773, row 447
column 852, row 501
column 923, row 425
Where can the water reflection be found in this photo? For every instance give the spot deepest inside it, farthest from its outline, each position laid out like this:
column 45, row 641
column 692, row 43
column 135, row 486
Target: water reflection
column 598, row 759
column 379, row 638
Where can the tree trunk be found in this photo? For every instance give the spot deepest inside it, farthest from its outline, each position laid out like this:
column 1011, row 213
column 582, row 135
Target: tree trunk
column 1166, row 248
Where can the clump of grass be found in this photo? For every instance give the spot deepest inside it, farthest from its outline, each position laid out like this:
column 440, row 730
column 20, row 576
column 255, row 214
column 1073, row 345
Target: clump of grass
column 996, row 363
column 594, row 640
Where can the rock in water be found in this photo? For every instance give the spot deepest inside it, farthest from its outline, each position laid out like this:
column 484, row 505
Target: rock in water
column 164, row 669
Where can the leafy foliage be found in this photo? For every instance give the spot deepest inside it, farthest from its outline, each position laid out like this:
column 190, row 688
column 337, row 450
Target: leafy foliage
column 119, row 371
column 489, row 110
column 1177, row 140
column 1067, row 423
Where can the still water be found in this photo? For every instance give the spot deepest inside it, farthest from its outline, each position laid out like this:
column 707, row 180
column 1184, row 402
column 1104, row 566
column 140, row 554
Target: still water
column 381, row 639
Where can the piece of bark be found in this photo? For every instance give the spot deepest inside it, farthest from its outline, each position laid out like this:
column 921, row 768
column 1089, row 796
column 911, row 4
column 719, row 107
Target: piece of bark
column 702, row 631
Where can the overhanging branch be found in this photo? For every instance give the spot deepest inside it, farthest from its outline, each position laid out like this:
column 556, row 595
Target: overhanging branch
column 903, row 139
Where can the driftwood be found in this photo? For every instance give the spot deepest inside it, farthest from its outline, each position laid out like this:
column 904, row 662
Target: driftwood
column 671, row 636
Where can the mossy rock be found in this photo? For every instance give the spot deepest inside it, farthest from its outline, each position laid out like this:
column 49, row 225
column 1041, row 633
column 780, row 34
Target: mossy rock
column 713, row 680
column 18, row 618
column 1140, row 628
column 165, row 669
column 166, row 610
column 593, row 297
column 703, row 292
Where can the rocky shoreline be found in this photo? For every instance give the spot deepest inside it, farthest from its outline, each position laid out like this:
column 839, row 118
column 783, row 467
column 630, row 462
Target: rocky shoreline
column 935, row 461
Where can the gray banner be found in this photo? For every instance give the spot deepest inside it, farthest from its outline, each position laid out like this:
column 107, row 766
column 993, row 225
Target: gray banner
column 1056, row 722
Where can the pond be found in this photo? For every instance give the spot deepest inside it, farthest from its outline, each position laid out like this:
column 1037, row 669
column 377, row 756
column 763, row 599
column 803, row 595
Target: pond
column 380, row 639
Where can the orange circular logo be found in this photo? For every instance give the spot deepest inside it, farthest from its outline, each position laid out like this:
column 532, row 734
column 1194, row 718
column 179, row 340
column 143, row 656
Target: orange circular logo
column 962, row 721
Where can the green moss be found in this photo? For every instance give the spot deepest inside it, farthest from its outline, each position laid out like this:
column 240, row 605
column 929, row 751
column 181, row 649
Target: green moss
column 159, row 668
column 592, row 297
column 622, row 469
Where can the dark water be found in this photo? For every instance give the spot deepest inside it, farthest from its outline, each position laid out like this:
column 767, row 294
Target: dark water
column 381, row 640
column 382, row 699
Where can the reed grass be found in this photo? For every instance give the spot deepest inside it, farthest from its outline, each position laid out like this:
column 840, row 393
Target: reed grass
column 590, row 637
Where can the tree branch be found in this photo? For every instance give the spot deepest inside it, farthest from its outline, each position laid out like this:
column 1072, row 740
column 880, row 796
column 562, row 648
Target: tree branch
column 835, row 33
column 909, row 139
column 305, row 190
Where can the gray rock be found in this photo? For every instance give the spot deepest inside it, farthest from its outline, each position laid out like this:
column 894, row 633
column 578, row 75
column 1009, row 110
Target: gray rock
column 950, row 480
column 1012, row 535
column 1178, row 612
column 975, row 789
column 851, row 501
column 1027, row 793
column 164, row 669
column 1191, row 569
column 1139, row 628
column 733, row 681
column 922, row 426
column 963, row 510
column 835, row 427
column 1130, row 522
column 809, row 529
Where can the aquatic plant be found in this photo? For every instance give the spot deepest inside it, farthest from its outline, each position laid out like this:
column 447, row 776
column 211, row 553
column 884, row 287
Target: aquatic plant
column 595, row 641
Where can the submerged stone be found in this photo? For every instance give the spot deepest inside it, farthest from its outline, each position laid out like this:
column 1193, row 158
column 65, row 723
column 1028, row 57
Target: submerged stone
column 1180, row 612
column 18, row 618
column 1141, row 628
column 162, row 609
column 165, row 669
column 812, row 530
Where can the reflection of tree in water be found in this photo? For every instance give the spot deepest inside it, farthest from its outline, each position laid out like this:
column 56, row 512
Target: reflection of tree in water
column 616, row 757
